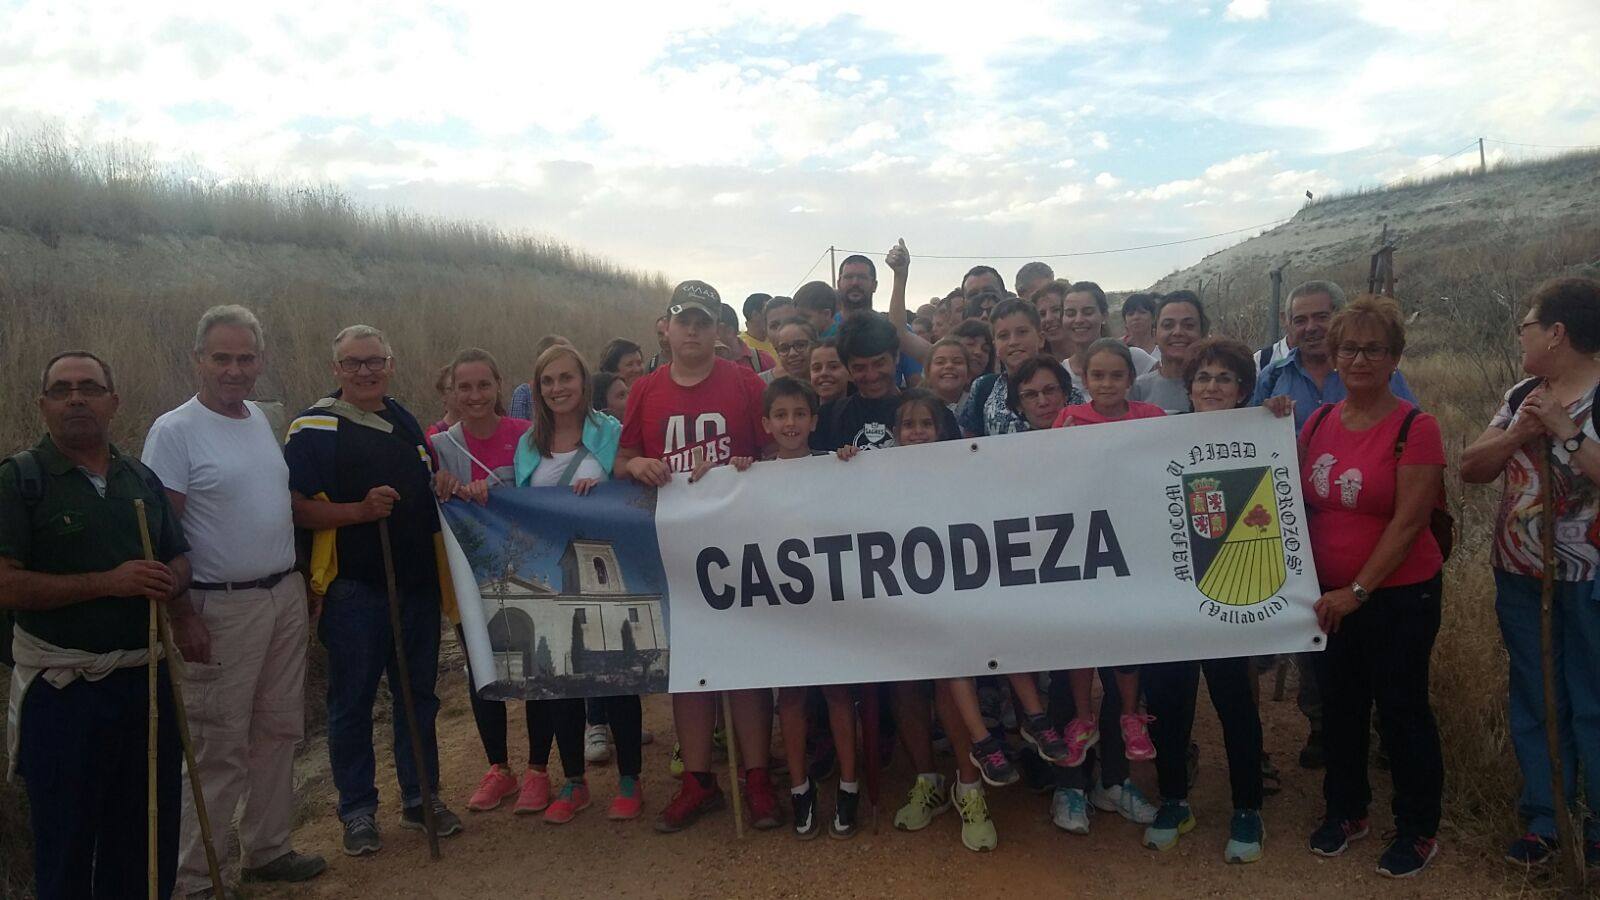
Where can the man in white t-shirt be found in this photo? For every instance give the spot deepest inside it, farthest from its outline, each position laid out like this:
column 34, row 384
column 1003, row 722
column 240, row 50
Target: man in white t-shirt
column 223, row 470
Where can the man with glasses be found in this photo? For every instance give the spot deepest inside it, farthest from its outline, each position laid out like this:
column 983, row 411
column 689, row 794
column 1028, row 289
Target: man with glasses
column 1309, row 374
column 72, row 568
column 357, row 457
column 225, row 476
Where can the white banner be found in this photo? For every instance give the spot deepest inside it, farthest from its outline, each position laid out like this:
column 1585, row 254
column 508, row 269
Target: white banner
column 1142, row 541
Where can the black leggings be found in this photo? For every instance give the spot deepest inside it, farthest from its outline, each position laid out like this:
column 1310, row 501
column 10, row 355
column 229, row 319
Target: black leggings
column 625, row 715
column 1112, row 755
column 1170, row 690
column 1379, row 657
column 547, row 721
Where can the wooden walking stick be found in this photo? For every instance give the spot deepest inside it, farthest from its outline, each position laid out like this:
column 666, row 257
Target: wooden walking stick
column 1571, row 850
column 424, row 777
column 181, row 714
column 150, row 738
column 733, row 765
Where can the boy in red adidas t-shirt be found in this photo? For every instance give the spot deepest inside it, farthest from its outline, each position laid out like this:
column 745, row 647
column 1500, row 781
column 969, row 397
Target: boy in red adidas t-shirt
column 696, row 412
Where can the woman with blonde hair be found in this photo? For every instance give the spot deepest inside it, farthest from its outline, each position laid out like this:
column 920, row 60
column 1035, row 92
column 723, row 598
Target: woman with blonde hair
column 571, row 444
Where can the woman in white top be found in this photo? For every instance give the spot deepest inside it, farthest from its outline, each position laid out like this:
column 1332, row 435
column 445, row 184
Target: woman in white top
column 1083, row 321
column 574, row 445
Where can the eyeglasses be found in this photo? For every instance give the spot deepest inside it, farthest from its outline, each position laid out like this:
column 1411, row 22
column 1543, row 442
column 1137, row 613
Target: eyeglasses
column 371, row 364
column 1523, row 325
column 1371, row 352
column 1225, row 379
column 1045, row 393
column 793, row 347
column 88, row 390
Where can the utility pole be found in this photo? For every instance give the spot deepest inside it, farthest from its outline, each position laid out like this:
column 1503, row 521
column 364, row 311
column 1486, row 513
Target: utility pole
column 1277, row 303
column 833, row 269
column 1483, row 161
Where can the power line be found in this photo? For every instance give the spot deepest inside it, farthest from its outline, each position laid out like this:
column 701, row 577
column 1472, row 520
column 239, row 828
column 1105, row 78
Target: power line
column 1205, row 237
column 810, row 270
column 1545, row 146
column 1425, row 168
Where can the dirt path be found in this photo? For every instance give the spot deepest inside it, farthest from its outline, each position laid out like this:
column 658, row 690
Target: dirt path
column 501, row 855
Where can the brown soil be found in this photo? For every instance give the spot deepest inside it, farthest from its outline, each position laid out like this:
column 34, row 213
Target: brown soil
column 501, row 855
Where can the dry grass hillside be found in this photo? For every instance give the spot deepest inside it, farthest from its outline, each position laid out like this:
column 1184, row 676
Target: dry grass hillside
column 103, row 251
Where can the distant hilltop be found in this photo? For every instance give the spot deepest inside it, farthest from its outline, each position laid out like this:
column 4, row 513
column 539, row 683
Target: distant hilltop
column 1549, row 208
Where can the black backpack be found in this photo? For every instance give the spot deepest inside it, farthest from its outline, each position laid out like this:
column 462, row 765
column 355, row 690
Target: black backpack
column 30, row 489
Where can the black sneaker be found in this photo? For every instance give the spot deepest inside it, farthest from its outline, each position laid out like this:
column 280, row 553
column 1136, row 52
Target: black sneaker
column 445, row 821
column 1333, row 836
column 1407, row 856
column 989, row 755
column 807, row 824
column 1045, row 738
column 289, row 868
column 843, row 825
column 1311, row 757
column 1037, row 775
column 1531, row 850
column 361, row 836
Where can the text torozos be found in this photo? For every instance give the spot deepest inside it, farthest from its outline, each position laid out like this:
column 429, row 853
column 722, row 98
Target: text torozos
column 923, row 560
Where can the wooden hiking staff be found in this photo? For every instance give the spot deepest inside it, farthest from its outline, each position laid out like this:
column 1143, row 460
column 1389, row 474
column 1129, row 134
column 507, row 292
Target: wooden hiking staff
column 181, row 713
column 154, row 717
column 733, row 765
column 1570, row 850
column 424, row 777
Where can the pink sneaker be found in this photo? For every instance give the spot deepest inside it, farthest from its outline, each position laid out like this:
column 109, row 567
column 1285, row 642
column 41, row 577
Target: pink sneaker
column 1081, row 735
column 496, row 785
column 629, row 800
column 571, row 800
column 535, row 794
column 1136, row 737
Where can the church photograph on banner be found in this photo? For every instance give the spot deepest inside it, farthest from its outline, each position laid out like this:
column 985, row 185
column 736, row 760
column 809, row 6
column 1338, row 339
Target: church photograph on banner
column 560, row 595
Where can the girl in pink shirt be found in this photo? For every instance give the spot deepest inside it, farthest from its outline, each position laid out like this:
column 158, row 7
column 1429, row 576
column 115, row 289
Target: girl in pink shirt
column 1108, row 375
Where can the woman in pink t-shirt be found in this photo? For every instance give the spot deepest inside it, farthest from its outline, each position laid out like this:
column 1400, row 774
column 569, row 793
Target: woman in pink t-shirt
column 1371, row 467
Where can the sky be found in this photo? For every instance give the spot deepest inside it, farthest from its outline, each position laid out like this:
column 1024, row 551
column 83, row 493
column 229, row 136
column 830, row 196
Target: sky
column 737, row 142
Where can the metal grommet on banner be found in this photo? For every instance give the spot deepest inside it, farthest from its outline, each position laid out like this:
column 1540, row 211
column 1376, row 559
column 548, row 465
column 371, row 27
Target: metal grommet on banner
column 702, row 682
column 974, row 446
column 994, row 664
column 1317, row 639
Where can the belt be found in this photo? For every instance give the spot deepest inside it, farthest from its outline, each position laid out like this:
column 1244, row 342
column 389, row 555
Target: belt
column 266, row 583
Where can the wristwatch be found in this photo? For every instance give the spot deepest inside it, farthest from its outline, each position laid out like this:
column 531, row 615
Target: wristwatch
column 1361, row 593
column 1572, row 444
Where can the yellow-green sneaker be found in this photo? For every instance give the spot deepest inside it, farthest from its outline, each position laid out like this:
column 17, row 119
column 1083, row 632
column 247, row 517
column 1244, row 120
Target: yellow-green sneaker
column 977, row 829
column 928, row 798
column 675, row 764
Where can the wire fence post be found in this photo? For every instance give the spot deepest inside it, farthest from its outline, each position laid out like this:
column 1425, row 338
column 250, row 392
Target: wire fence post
column 1277, row 304
column 833, row 269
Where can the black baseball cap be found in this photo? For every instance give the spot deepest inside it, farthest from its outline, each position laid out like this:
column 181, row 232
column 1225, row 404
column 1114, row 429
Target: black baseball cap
column 694, row 294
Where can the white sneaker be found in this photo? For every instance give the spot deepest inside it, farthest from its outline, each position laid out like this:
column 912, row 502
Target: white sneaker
column 1070, row 811
column 1125, row 800
column 596, row 744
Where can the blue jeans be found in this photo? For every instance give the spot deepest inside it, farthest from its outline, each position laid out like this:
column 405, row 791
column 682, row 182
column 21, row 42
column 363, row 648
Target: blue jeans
column 355, row 629
column 83, row 756
column 1576, row 634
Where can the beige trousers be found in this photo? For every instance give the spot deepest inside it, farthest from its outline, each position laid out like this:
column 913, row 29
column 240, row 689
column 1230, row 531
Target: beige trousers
column 246, row 713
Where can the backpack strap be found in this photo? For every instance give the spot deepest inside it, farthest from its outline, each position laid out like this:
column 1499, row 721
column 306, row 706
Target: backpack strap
column 1318, row 416
column 1405, row 432
column 1521, row 392
column 30, row 476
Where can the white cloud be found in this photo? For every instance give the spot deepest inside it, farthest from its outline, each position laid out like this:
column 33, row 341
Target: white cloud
column 1106, row 181
column 1247, row 9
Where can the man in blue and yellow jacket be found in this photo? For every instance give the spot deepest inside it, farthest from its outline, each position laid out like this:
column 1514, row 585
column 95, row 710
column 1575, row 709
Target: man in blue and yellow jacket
column 355, row 458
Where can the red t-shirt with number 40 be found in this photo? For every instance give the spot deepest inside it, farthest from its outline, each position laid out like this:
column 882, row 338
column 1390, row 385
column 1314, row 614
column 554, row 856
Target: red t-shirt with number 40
column 717, row 419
